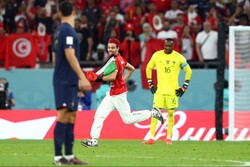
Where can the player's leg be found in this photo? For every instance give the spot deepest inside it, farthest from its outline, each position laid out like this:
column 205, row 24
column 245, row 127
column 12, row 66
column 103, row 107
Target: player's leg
column 69, row 140
column 101, row 114
column 64, row 129
column 170, row 126
column 153, row 124
column 172, row 104
column 61, row 122
column 59, row 136
column 158, row 103
column 72, row 101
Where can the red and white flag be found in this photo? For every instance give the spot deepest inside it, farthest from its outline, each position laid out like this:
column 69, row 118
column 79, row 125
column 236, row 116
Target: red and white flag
column 3, row 40
column 21, row 51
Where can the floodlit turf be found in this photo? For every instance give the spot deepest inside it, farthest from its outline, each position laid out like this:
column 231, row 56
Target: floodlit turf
column 130, row 153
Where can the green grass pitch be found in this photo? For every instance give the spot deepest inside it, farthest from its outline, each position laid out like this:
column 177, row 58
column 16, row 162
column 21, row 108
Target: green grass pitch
column 130, row 153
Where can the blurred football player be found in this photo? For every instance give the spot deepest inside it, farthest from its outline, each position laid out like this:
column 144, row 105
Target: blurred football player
column 67, row 79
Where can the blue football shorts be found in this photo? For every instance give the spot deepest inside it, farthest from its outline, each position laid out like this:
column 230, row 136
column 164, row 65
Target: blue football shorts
column 66, row 97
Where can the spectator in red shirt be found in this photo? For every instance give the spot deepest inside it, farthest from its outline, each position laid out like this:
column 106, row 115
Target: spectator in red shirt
column 179, row 25
column 162, row 5
column 212, row 17
column 130, row 47
column 80, row 4
column 192, row 15
column 138, row 20
column 43, row 41
column 106, row 7
column 150, row 15
column 194, row 30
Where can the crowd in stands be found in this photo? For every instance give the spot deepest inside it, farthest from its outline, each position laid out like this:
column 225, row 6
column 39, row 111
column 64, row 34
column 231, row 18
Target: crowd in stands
column 134, row 22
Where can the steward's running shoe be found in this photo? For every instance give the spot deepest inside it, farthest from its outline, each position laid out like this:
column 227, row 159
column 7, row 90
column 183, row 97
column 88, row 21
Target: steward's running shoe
column 90, row 143
column 156, row 113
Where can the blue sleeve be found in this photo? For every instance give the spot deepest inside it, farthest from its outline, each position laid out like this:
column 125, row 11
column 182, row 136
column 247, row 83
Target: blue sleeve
column 87, row 99
column 67, row 38
column 11, row 95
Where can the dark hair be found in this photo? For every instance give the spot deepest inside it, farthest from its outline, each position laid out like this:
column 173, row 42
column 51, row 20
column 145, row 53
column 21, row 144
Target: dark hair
column 169, row 39
column 243, row 16
column 66, row 8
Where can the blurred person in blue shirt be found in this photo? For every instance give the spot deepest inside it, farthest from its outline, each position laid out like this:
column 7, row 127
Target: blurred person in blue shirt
column 7, row 100
column 84, row 100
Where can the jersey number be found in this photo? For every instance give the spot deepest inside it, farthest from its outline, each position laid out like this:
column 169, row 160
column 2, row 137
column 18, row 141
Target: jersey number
column 167, row 70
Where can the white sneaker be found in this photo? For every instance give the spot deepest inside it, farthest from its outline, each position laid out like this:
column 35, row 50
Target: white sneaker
column 156, row 113
column 90, row 143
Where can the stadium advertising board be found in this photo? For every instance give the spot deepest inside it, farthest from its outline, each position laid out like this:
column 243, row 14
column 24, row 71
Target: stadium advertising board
column 189, row 125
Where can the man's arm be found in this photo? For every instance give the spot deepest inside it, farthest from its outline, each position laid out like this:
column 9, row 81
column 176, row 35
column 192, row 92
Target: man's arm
column 182, row 90
column 130, row 71
column 90, row 48
column 149, row 69
column 84, row 84
column 198, row 51
column 12, row 99
column 53, row 57
column 110, row 77
column 28, row 12
column 189, row 72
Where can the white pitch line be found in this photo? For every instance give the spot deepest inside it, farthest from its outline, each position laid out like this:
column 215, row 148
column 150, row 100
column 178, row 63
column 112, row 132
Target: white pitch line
column 109, row 156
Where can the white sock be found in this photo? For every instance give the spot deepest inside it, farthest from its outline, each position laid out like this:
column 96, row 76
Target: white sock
column 93, row 140
column 69, row 157
column 56, row 158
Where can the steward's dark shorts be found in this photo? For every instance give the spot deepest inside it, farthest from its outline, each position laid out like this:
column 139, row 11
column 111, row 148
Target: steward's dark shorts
column 66, row 97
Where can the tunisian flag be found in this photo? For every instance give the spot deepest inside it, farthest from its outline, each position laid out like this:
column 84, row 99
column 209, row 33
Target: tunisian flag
column 2, row 49
column 21, row 51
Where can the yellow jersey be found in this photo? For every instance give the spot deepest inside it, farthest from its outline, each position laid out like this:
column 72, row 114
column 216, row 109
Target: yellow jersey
column 167, row 67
